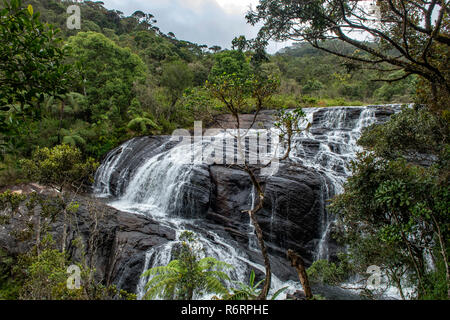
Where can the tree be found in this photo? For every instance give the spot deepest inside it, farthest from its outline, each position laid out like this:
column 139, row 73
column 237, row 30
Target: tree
column 176, row 77
column 230, row 62
column 108, row 73
column 394, row 211
column 237, row 84
column 60, row 167
column 240, row 43
column 215, row 49
column 142, row 125
column 188, row 275
column 410, row 36
column 290, row 122
column 32, row 65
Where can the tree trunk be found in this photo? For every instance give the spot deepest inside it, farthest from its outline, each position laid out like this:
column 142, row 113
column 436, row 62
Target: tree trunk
column 259, row 233
column 262, row 245
column 443, row 252
column 298, row 263
column 61, row 115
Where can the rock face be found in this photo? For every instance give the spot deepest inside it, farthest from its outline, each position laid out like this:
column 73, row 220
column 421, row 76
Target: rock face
column 217, row 195
column 264, row 120
column 291, row 215
column 293, row 208
column 115, row 242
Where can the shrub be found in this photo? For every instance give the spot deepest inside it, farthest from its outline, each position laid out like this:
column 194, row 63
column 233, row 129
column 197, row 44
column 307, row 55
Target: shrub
column 60, row 167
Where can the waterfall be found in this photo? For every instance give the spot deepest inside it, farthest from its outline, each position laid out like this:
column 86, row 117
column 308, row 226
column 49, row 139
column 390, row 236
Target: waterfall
column 159, row 179
column 103, row 175
column 252, row 239
column 328, row 147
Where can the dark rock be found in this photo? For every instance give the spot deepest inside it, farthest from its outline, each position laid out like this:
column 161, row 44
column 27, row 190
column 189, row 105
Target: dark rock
column 115, row 242
column 291, row 215
column 264, row 120
column 133, row 154
column 297, row 295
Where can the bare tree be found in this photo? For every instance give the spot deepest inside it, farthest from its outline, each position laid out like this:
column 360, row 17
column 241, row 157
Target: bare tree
column 234, row 93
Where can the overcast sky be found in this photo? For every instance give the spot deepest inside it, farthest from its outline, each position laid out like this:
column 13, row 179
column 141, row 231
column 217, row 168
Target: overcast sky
column 210, row 22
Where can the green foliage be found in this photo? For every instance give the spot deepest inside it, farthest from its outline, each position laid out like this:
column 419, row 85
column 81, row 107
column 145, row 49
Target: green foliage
column 176, row 77
column 416, row 133
column 395, row 209
column 46, row 278
column 246, row 292
column 142, row 125
column 188, row 275
column 245, row 89
column 42, row 272
column 326, row 272
column 31, row 58
column 31, row 65
column 108, row 73
column 61, row 166
column 250, row 291
column 397, row 91
column 9, row 285
column 307, row 71
column 230, row 62
column 200, row 105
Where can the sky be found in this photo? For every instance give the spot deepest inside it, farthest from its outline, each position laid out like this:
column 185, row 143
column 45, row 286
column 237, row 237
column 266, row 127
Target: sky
column 210, row 22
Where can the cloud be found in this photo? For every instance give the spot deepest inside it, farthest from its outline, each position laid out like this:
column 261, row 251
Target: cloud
column 210, row 22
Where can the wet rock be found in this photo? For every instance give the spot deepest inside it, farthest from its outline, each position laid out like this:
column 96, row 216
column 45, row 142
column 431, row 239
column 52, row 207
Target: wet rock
column 297, row 295
column 291, row 215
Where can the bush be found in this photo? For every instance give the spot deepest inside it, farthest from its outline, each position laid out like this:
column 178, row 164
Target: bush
column 142, row 125
column 60, row 167
column 323, row 271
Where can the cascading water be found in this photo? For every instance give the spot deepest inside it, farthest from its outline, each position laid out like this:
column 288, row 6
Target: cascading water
column 329, row 146
column 157, row 181
column 252, row 239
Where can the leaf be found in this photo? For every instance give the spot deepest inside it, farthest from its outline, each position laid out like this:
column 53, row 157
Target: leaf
column 276, row 294
column 30, row 10
column 252, row 278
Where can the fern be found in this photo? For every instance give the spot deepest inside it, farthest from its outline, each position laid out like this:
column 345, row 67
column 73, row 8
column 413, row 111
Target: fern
column 142, row 125
column 250, row 291
column 72, row 139
column 188, row 275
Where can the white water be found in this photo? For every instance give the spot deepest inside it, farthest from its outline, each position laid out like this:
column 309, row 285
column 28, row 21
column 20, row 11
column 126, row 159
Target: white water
column 156, row 188
column 336, row 136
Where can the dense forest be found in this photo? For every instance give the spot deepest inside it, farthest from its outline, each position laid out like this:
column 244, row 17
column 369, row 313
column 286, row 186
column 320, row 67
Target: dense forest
column 68, row 97
column 128, row 78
